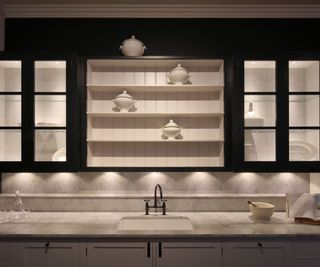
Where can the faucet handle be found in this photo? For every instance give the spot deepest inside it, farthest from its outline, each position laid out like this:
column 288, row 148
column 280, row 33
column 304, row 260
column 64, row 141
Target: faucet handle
column 164, row 206
column 146, row 206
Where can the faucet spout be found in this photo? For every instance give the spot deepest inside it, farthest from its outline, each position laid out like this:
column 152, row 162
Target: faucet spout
column 157, row 187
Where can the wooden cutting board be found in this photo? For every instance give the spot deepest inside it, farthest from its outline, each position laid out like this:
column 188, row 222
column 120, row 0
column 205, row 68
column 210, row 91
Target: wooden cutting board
column 307, row 221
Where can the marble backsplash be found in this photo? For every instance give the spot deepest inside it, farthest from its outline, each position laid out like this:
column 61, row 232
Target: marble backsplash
column 110, row 191
column 144, row 183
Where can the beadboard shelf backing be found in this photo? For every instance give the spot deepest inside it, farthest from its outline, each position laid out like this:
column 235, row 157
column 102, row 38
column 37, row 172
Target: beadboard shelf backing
column 135, row 138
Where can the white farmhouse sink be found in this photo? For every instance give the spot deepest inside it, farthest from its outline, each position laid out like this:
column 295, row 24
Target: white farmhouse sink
column 159, row 222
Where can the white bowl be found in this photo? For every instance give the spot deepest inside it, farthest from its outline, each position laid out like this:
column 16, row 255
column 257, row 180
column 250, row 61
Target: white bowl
column 132, row 47
column 171, row 130
column 124, row 102
column 179, row 75
column 262, row 211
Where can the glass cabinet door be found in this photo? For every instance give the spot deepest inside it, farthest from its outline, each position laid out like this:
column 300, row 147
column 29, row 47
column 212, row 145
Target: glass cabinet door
column 10, row 111
column 50, row 105
column 304, row 102
column 259, row 110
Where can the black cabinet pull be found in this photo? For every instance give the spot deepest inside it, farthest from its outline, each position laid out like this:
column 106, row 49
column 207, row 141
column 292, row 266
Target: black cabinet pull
column 148, row 250
column 259, row 245
column 47, row 247
column 160, row 250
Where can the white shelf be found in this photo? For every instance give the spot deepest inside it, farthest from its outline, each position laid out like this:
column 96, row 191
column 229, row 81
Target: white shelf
column 151, row 114
column 155, row 88
column 155, row 140
column 133, row 139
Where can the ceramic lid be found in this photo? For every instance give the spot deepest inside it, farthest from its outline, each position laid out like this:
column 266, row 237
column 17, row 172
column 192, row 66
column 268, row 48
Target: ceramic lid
column 171, row 123
column 124, row 95
column 179, row 67
column 132, row 39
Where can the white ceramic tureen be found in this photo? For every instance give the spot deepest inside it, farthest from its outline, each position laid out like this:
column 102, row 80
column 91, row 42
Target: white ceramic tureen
column 124, row 102
column 179, row 75
column 132, row 47
column 171, row 129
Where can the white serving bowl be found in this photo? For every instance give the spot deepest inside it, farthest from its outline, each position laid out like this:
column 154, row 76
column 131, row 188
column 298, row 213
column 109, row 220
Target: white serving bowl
column 262, row 210
column 179, row 75
column 124, row 102
column 132, row 47
column 171, row 129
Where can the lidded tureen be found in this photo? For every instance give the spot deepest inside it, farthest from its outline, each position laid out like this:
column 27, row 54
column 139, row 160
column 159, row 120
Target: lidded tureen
column 179, row 75
column 132, row 47
column 171, row 129
column 124, row 102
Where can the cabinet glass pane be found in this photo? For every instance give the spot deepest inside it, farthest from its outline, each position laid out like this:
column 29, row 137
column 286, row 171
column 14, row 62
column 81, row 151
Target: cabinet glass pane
column 50, row 76
column 304, row 110
column 50, row 110
column 50, row 145
column 10, row 145
column 259, row 110
column 303, row 76
column 260, row 76
column 260, row 145
column 304, row 145
column 10, row 110
column 10, row 76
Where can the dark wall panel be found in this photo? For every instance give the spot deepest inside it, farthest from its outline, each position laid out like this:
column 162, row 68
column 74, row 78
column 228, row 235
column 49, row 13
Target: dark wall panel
column 162, row 36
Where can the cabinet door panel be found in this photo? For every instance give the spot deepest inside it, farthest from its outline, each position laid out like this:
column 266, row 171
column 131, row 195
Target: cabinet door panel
column 252, row 254
column 6, row 254
column 118, row 255
column 189, row 255
column 53, row 255
column 306, row 254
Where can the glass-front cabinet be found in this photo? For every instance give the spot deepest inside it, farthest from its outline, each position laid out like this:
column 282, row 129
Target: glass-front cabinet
column 276, row 124
column 38, row 113
column 10, row 110
column 304, row 114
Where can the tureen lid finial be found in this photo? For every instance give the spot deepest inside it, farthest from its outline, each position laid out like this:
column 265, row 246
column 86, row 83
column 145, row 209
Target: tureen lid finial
column 133, row 37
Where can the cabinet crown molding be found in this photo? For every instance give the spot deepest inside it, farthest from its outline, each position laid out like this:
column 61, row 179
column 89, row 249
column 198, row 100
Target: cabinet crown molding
column 160, row 11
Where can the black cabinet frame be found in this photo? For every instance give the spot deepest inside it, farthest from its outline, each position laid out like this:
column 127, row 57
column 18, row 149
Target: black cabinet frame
column 282, row 163
column 27, row 163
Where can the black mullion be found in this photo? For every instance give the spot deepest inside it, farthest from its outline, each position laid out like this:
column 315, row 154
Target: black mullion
column 50, row 93
column 282, row 111
column 305, row 128
column 10, row 128
column 10, row 93
column 260, row 93
column 27, row 112
column 260, row 128
column 305, row 93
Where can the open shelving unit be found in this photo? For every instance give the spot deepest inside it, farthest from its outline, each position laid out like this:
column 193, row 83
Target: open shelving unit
column 134, row 138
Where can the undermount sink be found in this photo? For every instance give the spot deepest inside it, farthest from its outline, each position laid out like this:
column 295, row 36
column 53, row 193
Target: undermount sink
column 158, row 222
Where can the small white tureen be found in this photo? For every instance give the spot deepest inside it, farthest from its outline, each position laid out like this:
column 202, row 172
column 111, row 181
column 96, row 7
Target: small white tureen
column 124, row 102
column 171, row 129
column 132, row 47
column 179, row 75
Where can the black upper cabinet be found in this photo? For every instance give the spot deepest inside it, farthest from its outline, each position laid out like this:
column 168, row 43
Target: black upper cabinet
column 39, row 112
column 276, row 112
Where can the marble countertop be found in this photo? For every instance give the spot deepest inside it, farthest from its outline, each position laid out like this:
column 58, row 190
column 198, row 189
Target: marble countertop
column 97, row 225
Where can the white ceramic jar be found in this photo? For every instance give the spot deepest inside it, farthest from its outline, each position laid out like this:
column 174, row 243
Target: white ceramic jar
column 132, row 47
column 179, row 75
column 124, row 102
column 171, row 129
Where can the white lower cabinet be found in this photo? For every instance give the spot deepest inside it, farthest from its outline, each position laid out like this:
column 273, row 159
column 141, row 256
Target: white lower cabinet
column 256, row 253
column 306, row 254
column 170, row 254
column 118, row 254
column 48, row 254
column 7, row 254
